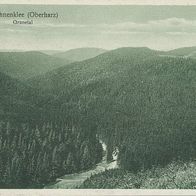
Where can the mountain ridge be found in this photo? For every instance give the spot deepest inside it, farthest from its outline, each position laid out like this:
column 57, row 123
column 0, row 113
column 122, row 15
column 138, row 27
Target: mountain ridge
column 23, row 65
column 80, row 54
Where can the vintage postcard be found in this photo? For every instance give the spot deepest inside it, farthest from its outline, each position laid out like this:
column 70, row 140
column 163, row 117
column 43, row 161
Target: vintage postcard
column 98, row 98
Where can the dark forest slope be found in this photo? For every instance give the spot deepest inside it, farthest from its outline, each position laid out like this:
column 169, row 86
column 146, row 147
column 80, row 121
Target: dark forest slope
column 17, row 99
column 23, row 65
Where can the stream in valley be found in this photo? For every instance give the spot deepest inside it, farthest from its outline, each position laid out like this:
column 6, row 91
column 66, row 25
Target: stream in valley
column 74, row 180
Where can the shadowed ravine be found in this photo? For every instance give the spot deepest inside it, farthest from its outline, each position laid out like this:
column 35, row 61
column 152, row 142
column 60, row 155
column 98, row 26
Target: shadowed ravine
column 74, row 180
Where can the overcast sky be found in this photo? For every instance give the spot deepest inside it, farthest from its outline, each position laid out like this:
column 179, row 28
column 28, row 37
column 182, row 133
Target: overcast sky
column 157, row 27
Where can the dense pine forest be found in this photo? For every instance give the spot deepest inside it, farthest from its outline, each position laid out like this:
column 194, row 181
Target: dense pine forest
column 33, row 156
column 139, row 101
column 176, row 175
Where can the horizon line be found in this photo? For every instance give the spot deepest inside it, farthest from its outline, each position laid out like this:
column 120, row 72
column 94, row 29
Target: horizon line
column 65, row 50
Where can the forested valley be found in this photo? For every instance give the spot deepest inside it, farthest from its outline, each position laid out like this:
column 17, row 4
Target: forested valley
column 139, row 101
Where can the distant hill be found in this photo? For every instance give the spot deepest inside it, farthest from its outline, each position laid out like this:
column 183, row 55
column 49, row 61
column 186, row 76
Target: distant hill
column 80, row 54
column 51, row 52
column 184, row 52
column 80, row 72
column 23, row 65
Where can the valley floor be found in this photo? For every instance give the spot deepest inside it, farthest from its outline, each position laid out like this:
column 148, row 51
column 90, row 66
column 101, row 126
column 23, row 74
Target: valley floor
column 176, row 175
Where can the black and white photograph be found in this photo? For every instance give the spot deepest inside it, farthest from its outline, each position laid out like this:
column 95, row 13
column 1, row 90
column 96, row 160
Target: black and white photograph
column 98, row 96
